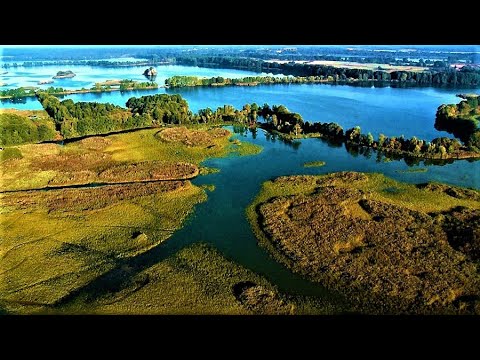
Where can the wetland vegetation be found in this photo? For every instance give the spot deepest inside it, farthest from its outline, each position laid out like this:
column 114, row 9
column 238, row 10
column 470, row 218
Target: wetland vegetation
column 380, row 242
column 82, row 232
column 144, row 206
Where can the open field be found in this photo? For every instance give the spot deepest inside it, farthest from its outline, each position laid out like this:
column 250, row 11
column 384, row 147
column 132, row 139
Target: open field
column 379, row 241
column 356, row 65
column 361, row 66
column 57, row 241
column 142, row 155
column 79, row 234
column 197, row 280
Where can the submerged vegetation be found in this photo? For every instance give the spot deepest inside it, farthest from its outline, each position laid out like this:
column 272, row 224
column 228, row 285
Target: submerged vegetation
column 314, row 164
column 378, row 241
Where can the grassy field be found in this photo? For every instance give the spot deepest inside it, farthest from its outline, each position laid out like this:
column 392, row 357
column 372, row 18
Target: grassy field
column 379, row 241
column 197, row 280
column 136, row 156
column 372, row 66
column 79, row 234
column 57, row 241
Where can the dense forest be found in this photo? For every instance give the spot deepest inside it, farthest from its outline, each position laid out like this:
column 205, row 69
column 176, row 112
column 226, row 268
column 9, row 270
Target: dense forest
column 16, row 129
column 86, row 118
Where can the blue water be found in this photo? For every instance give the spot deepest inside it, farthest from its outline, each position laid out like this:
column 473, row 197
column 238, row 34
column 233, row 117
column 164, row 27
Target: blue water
column 87, row 76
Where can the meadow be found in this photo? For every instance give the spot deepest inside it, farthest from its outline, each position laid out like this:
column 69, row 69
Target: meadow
column 70, row 213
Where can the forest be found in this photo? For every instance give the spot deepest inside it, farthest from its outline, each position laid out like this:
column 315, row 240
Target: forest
column 17, row 129
column 462, row 120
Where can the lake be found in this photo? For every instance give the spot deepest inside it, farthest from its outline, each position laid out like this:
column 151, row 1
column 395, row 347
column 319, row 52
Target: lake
column 87, row 76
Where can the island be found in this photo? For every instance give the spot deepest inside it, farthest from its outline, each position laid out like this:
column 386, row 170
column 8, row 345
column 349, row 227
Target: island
column 3, row 84
column 378, row 241
column 43, row 82
column 106, row 86
column 150, row 73
column 64, row 75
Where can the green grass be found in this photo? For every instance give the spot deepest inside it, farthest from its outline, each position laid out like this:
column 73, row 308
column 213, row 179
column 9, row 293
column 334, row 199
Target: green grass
column 10, row 153
column 95, row 231
column 245, row 148
column 314, row 164
column 196, row 280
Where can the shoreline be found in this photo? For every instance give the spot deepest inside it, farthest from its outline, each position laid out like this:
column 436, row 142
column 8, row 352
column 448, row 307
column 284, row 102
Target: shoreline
column 86, row 91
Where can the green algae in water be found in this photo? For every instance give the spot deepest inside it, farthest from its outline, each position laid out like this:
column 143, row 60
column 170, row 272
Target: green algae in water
column 314, row 164
column 410, row 171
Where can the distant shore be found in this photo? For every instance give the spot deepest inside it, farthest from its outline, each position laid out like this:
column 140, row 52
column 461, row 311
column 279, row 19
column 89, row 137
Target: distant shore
column 86, row 91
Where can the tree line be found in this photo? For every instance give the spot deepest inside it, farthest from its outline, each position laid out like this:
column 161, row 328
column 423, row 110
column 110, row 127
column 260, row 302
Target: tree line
column 462, row 120
column 72, row 119
column 280, row 120
column 190, row 81
column 468, row 75
column 18, row 129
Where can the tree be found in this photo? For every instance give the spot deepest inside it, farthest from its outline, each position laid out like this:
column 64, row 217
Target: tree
column 370, row 139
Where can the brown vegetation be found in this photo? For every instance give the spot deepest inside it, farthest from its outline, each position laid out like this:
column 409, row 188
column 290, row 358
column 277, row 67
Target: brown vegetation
column 260, row 300
column 68, row 200
column 387, row 257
